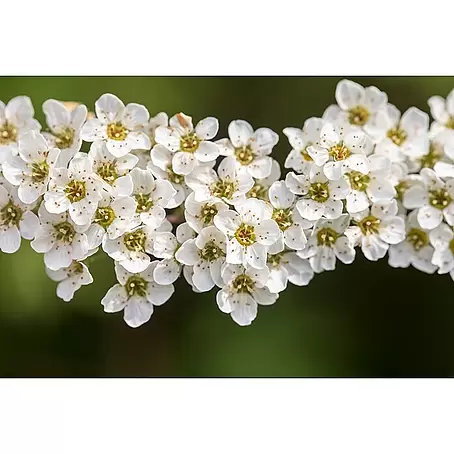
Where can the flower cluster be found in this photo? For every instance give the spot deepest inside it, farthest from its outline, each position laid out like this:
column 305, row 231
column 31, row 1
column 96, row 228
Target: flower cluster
column 164, row 197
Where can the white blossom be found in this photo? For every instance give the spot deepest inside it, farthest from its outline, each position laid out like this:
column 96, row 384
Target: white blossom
column 190, row 145
column 136, row 294
column 119, row 126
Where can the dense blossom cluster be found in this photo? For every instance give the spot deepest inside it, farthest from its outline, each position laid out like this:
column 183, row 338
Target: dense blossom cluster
column 164, row 198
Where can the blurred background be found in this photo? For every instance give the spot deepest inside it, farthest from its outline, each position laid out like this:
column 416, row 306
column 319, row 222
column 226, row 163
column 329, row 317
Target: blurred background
column 363, row 320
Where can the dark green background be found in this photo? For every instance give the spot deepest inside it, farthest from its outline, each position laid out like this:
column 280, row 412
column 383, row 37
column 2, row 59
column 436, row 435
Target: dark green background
column 363, row 320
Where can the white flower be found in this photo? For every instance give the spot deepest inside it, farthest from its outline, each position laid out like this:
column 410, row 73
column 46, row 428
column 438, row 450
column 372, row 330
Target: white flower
column 402, row 137
column 321, row 197
column 244, row 289
column 262, row 185
column 70, row 279
column 251, row 232
column 328, row 242
column 161, row 167
column 287, row 218
column 16, row 221
column 375, row 229
column 374, row 187
column 112, row 171
column 32, row 168
column 112, row 218
column 60, row 239
column 16, row 118
column 75, row 189
column 300, row 139
column 152, row 196
column 443, row 113
column 250, row 149
column 136, row 294
column 201, row 214
column 415, row 250
column 434, row 199
column 442, row 239
column 132, row 249
column 227, row 184
column 161, row 119
column 341, row 150
column 287, row 266
column 206, row 254
column 65, row 125
column 119, row 126
column 357, row 105
column 190, row 145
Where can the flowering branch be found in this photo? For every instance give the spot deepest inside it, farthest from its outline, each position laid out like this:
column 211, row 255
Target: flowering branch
column 362, row 175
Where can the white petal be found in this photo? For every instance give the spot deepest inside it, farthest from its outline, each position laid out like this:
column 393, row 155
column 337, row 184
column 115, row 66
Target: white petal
column 137, row 312
column 349, row 94
column 240, row 132
column 207, row 128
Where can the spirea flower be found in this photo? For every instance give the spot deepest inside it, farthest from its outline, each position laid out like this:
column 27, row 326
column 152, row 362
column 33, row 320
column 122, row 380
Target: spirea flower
column 250, row 149
column 119, row 126
column 244, row 290
column 190, row 145
column 320, row 197
column 75, row 190
column 443, row 113
column 70, row 279
column 356, row 105
column 136, row 294
column 16, row 118
column 415, row 250
column 250, row 230
column 31, row 169
column 17, row 220
column 59, row 239
column 65, row 125
column 375, row 229
column 328, row 243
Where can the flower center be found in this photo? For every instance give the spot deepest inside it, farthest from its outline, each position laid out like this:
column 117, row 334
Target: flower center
column 450, row 123
column 10, row 214
column 339, row 152
column 327, row 237
column 400, row 189
column 358, row 115
column 319, row 192
column 116, row 131
column 244, row 155
column 283, row 218
column 174, row 177
column 431, row 158
column 108, row 171
column 358, row 181
column 274, row 261
column 135, row 241
column 8, row 133
column 397, row 135
column 258, row 191
column 223, row 189
column 104, row 216
column 136, row 285
column 245, row 235
column 189, row 143
column 65, row 138
column 75, row 268
column 40, row 171
column 439, row 198
column 211, row 252
column 304, row 154
column 207, row 213
column 75, row 191
column 369, row 225
column 144, row 202
column 418, row 238
column 243, row 284
column 451, row 245
column 64, row 232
